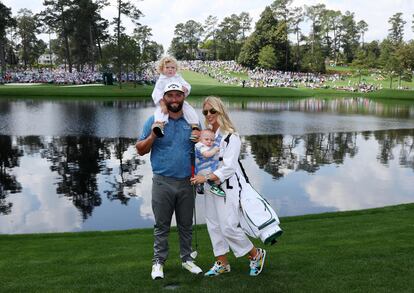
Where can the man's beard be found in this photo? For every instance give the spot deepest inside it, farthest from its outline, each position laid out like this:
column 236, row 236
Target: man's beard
column 175, row 109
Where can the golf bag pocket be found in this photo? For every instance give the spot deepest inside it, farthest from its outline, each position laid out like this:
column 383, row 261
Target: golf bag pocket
column 257, row 218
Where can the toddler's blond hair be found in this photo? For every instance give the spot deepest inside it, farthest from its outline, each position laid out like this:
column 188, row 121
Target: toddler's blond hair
column 164, row 60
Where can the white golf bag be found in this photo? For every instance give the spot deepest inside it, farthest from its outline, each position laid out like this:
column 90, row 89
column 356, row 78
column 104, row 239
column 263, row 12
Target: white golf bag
column 257, row 218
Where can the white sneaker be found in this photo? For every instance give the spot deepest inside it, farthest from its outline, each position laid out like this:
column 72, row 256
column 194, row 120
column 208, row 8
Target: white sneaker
column 191, row 267
column 157, row 271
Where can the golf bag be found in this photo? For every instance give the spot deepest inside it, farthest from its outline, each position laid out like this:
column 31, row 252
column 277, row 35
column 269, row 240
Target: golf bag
column 257, row 218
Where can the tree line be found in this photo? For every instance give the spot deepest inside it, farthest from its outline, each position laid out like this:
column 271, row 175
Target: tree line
column 277, row 41
column 83, row 38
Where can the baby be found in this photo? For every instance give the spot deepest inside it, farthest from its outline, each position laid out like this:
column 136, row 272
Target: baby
column 207, row 159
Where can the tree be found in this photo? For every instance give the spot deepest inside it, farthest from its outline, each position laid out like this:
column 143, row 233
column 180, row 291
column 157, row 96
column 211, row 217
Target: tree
column 367, row 57
column 57, row 16
column 154, row 51
column 389, row 60
column 210, row 32
column 297, row 19
column 193, row 32
column 396, row 32
column 228, row 34
column 349, row 37
column 27, row 27
column 362, row 28
column 146, row 50
column 249, row 52
column 284, row 16
column 245, row 24
column 142, row 35
column 40, row 47
column 178, row 48
column 6, row 21
column 266, row 33
column 126, row 8
column 267, row 57
column 405, row 57
column 315, row 57
column 331, row 31
column 88, row 29
column 186, row 38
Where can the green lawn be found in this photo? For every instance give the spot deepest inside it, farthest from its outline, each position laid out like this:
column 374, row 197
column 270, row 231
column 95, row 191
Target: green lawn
column 197, row 79
column 201, row 86
column 359, row 251
column 144, row 92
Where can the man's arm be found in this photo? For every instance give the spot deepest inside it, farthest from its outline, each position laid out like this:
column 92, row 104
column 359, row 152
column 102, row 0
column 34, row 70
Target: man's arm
column 144, row 145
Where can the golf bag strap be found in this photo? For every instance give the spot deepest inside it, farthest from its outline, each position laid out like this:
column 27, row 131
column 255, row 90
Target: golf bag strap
column 227, row 140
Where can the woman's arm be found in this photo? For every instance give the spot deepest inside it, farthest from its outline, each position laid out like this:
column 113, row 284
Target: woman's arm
column 230, row 158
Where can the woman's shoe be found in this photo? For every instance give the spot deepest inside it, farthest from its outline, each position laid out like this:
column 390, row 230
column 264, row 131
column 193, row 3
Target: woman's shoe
column 218, row 269
column 257, row 264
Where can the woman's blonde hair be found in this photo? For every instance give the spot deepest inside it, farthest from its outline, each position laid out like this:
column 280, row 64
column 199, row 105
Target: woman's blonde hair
column 223, row 119
column 164, row 60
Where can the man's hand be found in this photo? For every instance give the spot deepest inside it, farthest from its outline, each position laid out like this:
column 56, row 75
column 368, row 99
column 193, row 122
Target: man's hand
column 198, row 179
column 195, row 135
column 144, row 146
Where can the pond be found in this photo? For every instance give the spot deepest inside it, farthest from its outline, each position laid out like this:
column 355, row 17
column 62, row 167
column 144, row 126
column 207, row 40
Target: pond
column 72, row 166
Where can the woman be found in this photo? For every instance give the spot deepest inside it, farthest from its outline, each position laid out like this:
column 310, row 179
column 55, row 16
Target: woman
column 222, row 212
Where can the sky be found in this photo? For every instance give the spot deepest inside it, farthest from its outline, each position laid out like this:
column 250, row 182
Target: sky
column 162, row 15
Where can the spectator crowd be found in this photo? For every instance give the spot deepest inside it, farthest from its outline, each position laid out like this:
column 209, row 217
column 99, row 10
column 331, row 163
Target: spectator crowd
column 227, row 72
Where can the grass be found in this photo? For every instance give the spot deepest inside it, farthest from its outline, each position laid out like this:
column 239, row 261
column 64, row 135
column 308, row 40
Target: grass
column 357, row 251
column 201, row 86
column 144, row 92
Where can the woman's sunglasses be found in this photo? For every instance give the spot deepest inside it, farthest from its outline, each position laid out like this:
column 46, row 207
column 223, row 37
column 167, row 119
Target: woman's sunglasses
column 212, row 111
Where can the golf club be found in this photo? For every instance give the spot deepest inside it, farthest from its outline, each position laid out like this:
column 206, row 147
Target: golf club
column 194, row 253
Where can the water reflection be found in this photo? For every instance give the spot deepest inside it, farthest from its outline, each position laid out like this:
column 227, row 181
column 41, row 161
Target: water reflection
column 317, row 105
column 72, row 166
column 74, row 183
column 252, row 116
column 9, row 159
column 278, row 153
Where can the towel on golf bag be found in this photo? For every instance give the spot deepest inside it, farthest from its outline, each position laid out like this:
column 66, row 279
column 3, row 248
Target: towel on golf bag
column 257, row 218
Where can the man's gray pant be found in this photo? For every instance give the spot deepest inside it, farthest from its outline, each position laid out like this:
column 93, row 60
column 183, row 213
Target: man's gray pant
column 172, row 195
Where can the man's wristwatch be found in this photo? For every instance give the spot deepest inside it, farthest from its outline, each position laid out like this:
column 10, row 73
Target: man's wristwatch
column 207, row 176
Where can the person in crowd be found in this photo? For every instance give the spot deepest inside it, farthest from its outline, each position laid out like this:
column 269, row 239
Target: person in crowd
column 171, row 189
column 222, row 212
column 168, row 67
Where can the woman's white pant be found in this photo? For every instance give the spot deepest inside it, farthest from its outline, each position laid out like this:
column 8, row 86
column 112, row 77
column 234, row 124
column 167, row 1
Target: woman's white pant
column 222, row 220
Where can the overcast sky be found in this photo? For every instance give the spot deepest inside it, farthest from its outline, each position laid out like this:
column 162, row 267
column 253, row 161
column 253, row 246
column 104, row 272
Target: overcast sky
column 163, row 15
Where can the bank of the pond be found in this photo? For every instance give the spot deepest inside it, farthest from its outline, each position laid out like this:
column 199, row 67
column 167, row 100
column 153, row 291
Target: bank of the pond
column 358, row 251
column 128, row 91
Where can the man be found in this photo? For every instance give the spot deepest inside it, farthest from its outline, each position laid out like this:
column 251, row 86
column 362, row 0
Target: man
column 171, row 188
